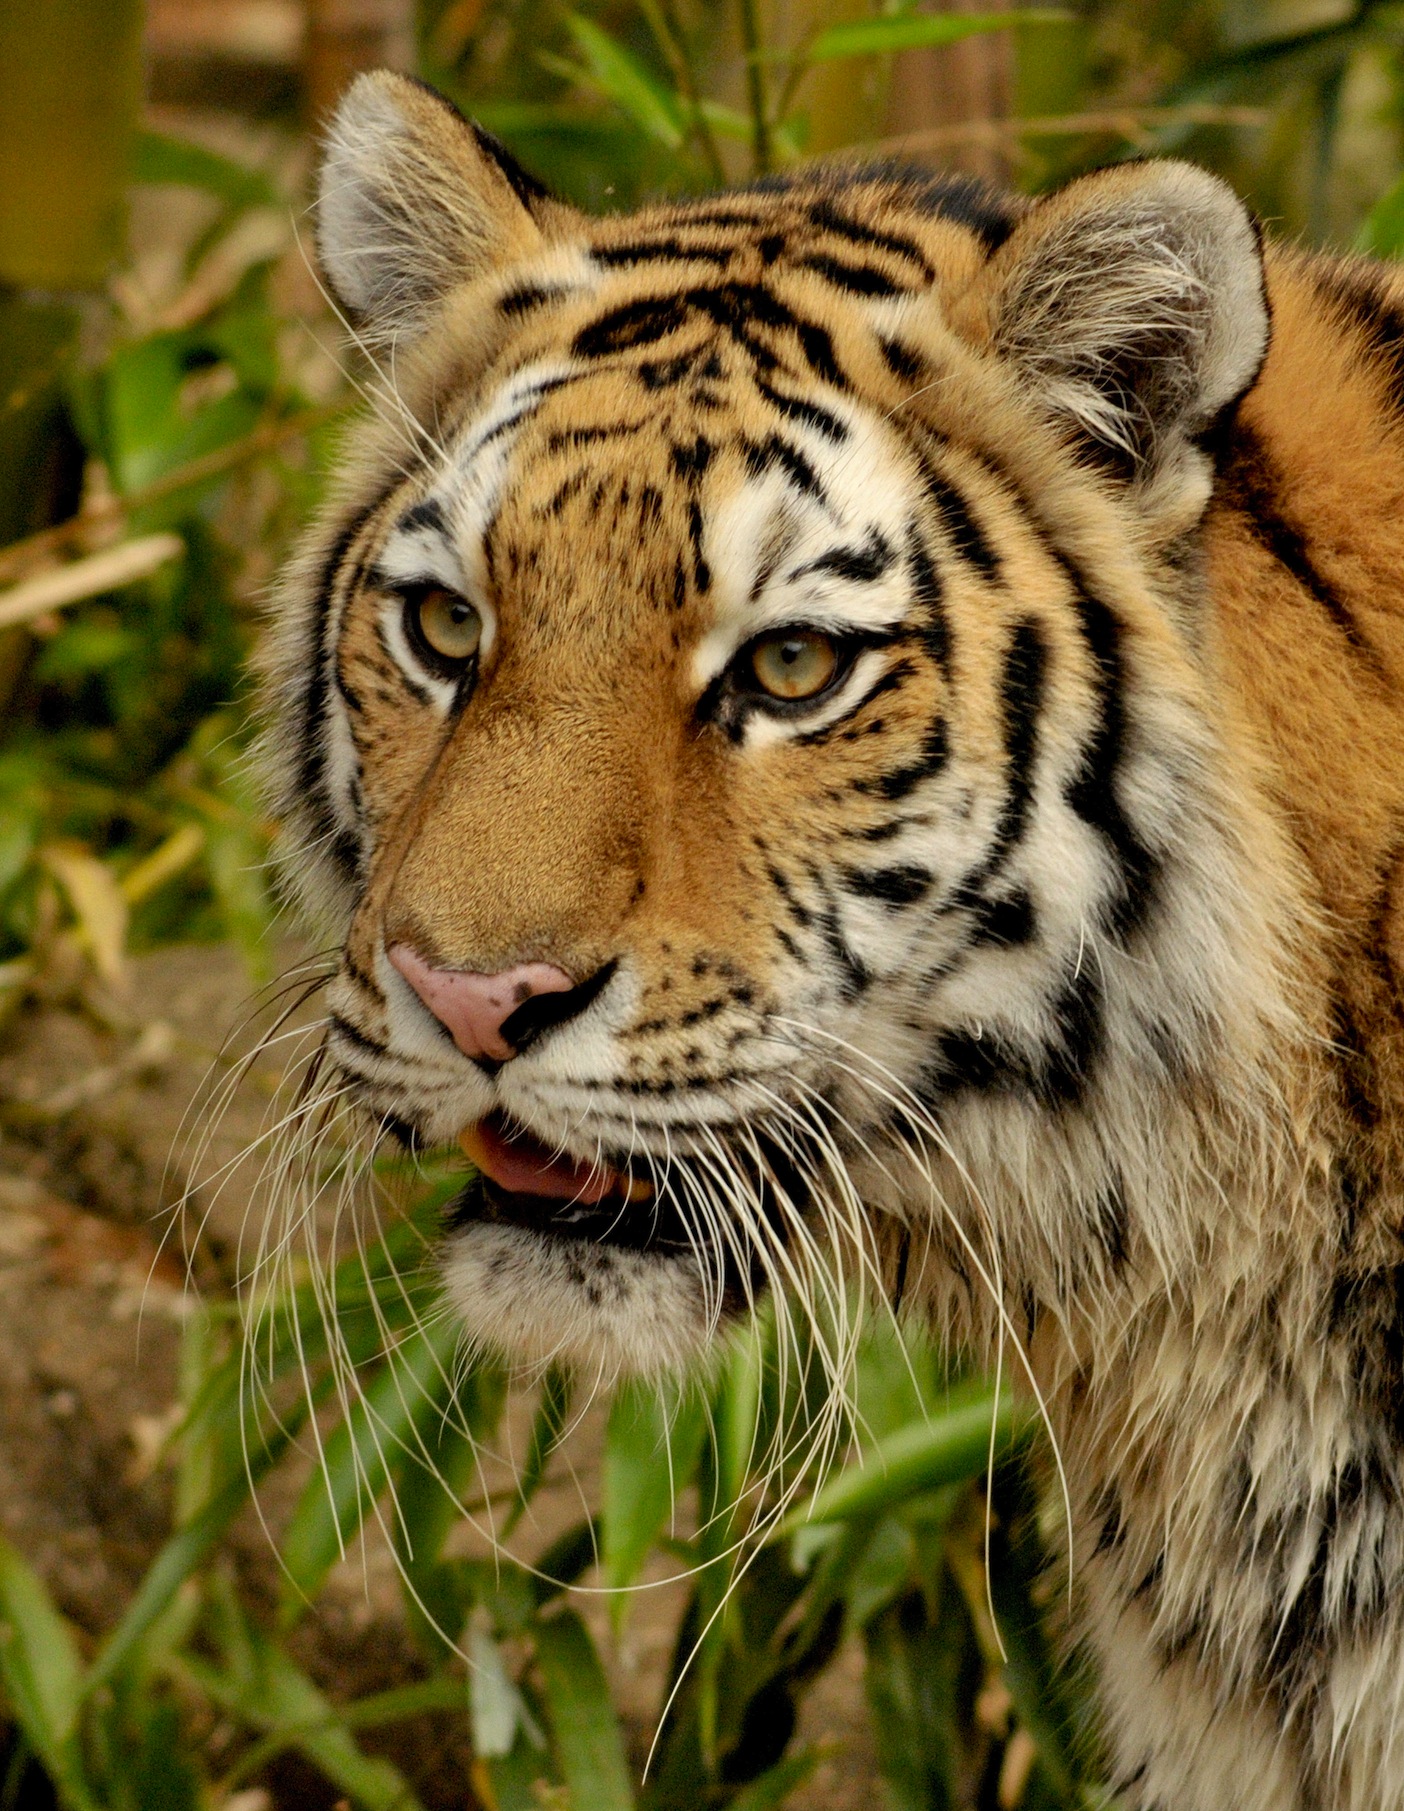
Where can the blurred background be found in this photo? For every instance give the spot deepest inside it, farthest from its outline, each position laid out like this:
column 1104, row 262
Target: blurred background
column 331, row 1562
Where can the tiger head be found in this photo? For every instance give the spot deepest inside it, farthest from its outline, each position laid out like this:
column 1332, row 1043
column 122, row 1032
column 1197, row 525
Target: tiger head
column 745, row 714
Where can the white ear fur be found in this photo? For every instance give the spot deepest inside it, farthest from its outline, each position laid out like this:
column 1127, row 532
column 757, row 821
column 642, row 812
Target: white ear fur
column 1134, row 300
column 412, row 202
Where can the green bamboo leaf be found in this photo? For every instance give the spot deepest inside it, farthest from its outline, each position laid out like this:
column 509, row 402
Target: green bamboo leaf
column 916, row 31
column 651, row 1449
column 43, row 1676
column 617, row 72
column 584, row 1728
column 1382, row 231
column 387, row 1421
column 919, row 1457
column 158, row 159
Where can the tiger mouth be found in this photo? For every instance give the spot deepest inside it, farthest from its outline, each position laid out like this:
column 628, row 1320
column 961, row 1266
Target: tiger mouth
column 521, row 1182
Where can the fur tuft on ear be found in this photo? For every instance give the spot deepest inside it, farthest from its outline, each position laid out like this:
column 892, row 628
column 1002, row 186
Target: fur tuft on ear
column 414, row 201
column 1134, row 300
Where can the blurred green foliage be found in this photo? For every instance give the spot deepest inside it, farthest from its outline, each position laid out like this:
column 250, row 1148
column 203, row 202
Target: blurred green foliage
column 127, row 817
column 890, row 1550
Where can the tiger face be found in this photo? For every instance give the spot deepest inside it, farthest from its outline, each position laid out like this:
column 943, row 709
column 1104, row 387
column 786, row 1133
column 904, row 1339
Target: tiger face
column 743, row 714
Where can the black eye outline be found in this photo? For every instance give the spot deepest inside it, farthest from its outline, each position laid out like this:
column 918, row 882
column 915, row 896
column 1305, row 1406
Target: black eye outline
column 413, row 597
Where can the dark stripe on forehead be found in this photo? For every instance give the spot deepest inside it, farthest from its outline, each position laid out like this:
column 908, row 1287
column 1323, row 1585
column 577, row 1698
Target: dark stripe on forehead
column 967, row 201
column 966, row 536
column 761, row 456
column 637, row 323
column 560, row 439
column 832, row 219
column 527, row 297
column 855, row 279
column 859, row 565
column 737, row 308
column 427, row 514
column 662, row 251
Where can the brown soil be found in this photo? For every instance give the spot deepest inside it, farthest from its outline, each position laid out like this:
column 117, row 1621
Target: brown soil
column 96, row 1149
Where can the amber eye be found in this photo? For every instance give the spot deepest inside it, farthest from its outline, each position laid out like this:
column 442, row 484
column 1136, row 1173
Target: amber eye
column 446, row 623
column 796, row 663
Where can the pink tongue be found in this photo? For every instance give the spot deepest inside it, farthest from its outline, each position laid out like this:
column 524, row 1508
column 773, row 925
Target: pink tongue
column 523, row 1166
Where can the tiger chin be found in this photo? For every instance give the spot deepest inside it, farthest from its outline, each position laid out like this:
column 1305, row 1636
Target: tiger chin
column 857, row 722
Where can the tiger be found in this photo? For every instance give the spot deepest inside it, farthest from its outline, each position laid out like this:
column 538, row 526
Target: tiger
column 861, row 714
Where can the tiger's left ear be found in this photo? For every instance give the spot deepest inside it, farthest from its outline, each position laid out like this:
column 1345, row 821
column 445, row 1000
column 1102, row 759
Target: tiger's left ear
column 1133, row 300
column 414, row 201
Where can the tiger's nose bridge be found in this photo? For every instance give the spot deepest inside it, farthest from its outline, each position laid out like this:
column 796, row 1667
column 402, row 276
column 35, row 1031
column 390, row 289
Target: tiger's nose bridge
column 474, row 1008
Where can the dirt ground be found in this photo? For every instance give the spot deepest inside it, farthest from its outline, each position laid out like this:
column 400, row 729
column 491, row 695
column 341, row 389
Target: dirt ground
column 96, row 1146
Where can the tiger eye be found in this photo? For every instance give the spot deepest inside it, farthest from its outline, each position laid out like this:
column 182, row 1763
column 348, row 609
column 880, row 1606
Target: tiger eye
column 796, row 664
column 449, row 623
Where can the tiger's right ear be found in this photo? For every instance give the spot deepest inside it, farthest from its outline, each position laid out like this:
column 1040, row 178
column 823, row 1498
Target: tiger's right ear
column 414, row 201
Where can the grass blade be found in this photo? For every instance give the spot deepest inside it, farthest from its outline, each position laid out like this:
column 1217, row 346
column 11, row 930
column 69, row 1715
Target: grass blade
column 586, row 1734
column 921, row 1456
column 43, row 1676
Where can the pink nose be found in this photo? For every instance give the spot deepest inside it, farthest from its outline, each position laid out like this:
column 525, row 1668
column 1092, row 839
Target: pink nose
column 475, row 1007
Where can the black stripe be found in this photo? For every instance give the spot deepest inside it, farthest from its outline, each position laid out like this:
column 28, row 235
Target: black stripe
column 1357, row 292
column 801, row 409
column 314, row 797
column 1251, row 482
column 1055, row 1072
column 522, row 184
column 428, row 514
column 825, row 214
column 738, row 308
column 965, row 534
column 855, row 976
column 858, row 565
column 899, row 886
column 761, row 455
column 970, row 202
column 701, row 571
column 662, row 251
column 794, row 905
column 526, row 297
column 1093, row 792
column 904, row 780
column 1005, row 923
column 637, row 323
column 901, row 361
column 354, row 1036
column 562, row 438
column 1021, row 704
column 818, row 348
column 704, row 216
column 890, row 681
column 926, row 593
column 856, row 279
column 664, row 373
column 690, row 462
